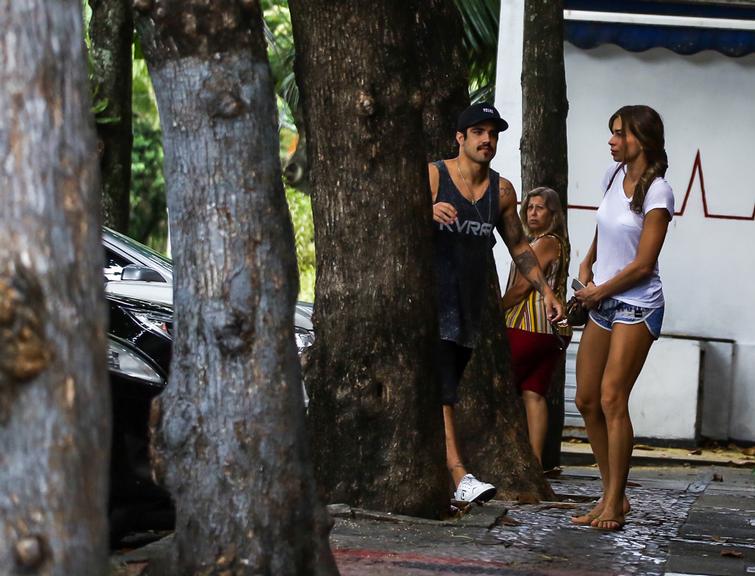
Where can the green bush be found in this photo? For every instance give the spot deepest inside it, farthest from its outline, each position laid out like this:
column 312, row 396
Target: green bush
column 300, row 206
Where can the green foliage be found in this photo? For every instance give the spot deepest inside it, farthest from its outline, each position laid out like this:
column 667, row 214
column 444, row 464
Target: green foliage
column 480, row 19
column 99, row 105
column 280, row 54
column 148, row 221
column 300, row 207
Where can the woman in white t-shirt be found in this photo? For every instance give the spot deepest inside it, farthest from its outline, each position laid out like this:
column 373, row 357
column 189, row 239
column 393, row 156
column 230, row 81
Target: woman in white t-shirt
column 625, row 297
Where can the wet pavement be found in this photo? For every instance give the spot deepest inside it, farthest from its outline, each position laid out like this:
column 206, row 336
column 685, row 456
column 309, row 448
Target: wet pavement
column 684, row 521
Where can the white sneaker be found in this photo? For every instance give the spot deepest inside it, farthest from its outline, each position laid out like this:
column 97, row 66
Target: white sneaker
column 470, row 489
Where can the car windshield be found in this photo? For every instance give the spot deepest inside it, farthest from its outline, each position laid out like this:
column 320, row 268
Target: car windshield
column 145, row 252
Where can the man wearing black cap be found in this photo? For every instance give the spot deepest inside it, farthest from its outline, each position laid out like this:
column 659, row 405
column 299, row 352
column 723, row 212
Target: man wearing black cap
column 469, row 200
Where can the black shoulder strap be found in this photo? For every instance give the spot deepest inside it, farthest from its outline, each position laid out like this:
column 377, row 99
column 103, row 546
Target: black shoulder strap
column 610, row 182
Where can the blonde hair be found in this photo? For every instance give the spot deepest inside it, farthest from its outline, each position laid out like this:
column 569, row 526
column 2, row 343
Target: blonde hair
column 552, row 203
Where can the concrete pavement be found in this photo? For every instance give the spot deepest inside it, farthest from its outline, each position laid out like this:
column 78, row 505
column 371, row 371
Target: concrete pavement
column 686, row 520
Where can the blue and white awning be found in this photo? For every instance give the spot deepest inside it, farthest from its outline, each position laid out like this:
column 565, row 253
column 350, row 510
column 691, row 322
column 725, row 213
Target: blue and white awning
column 684, row 27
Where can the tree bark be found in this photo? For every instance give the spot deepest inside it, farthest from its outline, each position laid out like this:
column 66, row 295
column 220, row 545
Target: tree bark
column 374, row 407
column 491, row 421
column 111, row 30
column 54, row 395
column 543, row 145
column 491, row 425
column 444, row 80
column 230, row 442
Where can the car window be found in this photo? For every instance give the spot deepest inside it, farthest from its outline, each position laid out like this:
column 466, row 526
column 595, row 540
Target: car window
column 122, row 251
column 145, row 251
column 114, row 263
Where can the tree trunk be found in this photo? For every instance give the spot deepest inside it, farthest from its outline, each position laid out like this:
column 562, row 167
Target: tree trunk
column 111, row 31
column 230, row 442
column 54, row 395
column 543, row 145
column 491, row 425
column 374, row 407
column 491, row 421
column 439, row 37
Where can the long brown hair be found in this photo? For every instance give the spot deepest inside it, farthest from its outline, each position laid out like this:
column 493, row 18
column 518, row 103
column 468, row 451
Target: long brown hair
column 647, row 126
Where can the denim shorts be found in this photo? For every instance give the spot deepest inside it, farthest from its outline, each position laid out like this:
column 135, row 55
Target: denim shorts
column 610, row 311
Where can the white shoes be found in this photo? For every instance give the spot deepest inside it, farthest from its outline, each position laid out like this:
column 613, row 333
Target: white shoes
column 470, row 489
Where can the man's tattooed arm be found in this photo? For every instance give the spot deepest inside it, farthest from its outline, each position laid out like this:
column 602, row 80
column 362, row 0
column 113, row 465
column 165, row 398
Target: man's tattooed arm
column 509, row 226
column 526, row 263
column 510, row 229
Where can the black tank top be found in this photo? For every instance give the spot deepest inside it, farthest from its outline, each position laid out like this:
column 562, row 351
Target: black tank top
column 461, row 253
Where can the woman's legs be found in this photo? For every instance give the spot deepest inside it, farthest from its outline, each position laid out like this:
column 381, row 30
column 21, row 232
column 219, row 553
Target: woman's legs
column 537, row 421
column 629, row 347
column 533, row 358
column 591, row 361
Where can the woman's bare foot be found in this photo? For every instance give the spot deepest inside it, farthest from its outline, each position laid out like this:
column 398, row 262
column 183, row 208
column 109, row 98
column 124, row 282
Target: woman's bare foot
column 586, row 519
column 611, row 523
column 591, row 518
column 625, row 509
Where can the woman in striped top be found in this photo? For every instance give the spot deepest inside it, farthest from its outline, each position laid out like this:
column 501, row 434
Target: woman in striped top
column 537, row 345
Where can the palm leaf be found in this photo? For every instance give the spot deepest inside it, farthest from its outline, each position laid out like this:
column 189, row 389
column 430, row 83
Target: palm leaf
column 480, row 20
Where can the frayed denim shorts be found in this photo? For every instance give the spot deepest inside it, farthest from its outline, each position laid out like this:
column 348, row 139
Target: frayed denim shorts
column 611, row 311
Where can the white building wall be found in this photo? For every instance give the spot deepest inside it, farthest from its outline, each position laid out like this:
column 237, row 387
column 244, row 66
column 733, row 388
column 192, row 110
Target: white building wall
column 707, row 101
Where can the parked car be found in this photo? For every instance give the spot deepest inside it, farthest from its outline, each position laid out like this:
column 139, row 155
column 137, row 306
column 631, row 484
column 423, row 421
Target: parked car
column 139, row 292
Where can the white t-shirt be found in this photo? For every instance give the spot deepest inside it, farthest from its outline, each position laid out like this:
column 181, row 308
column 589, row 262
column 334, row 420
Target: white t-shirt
column 619, row 232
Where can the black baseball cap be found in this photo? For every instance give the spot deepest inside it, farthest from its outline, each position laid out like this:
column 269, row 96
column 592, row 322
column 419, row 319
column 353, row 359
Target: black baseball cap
column 480, row 112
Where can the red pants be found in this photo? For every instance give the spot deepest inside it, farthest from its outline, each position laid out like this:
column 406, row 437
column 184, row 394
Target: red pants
column 533, row 358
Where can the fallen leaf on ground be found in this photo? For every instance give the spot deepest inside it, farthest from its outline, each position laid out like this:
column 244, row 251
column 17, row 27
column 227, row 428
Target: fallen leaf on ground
column 695, row 452
column 749, row 451
column 504, row 520
column 643, row 447
column 633, row 484
column 731, row 553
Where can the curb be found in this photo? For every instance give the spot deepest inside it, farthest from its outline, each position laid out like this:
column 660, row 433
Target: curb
column 581, row 455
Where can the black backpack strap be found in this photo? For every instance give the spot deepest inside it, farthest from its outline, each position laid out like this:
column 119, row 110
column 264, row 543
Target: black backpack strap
column 610, row 182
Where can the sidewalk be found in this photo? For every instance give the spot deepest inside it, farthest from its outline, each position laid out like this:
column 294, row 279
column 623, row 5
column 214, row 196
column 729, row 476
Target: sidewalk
column 685, row 520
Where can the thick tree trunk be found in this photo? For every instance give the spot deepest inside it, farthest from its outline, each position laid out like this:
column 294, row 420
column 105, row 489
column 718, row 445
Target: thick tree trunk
column 54, row 395
column 111, row 30
column 374, row 410
column 439, row 34
column 544, row 154
column 490, row 418
column 230, row 444
column 491, row 425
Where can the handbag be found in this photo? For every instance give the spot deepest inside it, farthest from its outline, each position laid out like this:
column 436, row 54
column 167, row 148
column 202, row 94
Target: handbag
column 576, row 314
column 530, row 314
